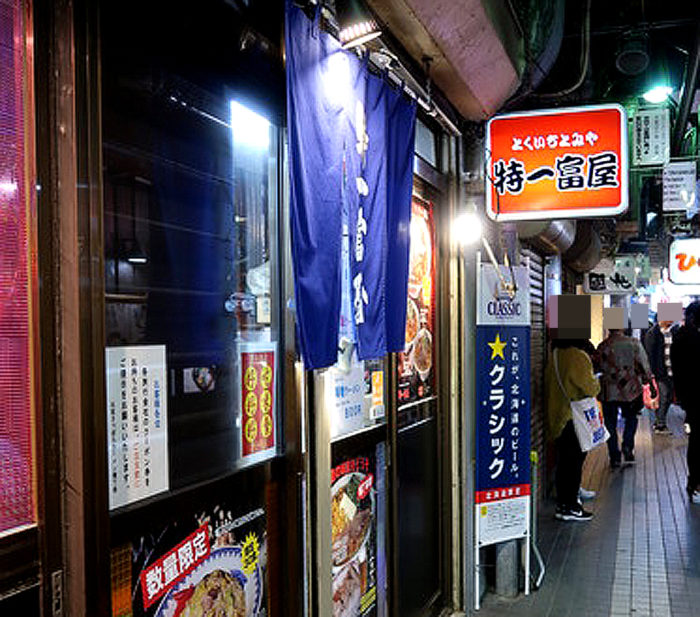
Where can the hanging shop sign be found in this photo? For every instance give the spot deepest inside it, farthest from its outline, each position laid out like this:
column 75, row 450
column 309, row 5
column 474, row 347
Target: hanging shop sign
column 560, row 163
column 651, row 137
column 137, row 423
column 211, row 563
column 416, row 363
column 502, row 483
column 351, row 144
column 684, row 261
column 357, row 504
column 679, row 186
column 257, row 383
column 612, row 276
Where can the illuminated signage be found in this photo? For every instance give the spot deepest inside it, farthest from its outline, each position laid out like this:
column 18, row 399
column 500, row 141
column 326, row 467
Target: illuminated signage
column 684, row 261
column 561, row 163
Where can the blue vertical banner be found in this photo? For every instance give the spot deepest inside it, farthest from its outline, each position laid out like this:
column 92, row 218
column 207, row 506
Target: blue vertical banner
column 351, row 144
column 502, row 497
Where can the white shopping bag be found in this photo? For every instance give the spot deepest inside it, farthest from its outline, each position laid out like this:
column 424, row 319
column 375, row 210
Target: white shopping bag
column 675, row 420
column 588, row 423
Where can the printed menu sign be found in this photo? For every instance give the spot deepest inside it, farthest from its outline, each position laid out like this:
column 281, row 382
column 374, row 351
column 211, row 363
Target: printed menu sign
column 354, row 536
column 137, row 420
column 257, row 387
column 212, row 563
column 416, row 371
column 354, row 395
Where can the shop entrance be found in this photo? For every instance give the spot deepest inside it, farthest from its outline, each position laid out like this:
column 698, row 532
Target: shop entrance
column 418, row 492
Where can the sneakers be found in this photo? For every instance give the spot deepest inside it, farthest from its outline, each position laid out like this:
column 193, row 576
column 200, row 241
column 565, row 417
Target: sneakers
column 629, row 456
column 661, row 429
column 614, row 464
column 575, row 514
column 695, row 497
column 585, row 494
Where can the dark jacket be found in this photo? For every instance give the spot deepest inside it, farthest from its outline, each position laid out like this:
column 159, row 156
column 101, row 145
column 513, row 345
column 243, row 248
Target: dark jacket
column 685, row 351
column 654, row 345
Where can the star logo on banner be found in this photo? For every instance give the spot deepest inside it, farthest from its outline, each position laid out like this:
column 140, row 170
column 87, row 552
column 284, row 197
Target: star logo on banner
column 497, row 347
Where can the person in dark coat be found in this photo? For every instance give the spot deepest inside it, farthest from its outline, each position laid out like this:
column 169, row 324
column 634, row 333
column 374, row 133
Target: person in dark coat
column 657, row 342
column 685, row 350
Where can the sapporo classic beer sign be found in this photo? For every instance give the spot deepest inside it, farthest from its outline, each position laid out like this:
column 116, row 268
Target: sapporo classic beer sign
column 559, row 163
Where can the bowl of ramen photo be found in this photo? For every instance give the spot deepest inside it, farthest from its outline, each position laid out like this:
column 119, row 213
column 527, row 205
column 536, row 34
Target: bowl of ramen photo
column 347, row 591
column 420, row 256
column 422, row 353
column 352, row 511
column 203, row 378
column 215, row 588
column 412, row 322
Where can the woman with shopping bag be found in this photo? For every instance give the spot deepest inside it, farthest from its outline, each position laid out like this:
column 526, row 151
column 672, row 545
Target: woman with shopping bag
column 568, row 378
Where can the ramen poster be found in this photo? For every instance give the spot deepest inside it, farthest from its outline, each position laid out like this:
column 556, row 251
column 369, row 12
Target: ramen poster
column 354, row 539
column 212, row 564
column 416, row 370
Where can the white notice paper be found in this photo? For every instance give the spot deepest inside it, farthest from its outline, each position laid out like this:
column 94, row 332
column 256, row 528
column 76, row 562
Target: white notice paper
column 498, row 521
column 679, row 185
column 137, row 423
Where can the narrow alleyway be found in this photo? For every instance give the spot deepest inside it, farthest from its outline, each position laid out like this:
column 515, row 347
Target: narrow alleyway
column 640, row 556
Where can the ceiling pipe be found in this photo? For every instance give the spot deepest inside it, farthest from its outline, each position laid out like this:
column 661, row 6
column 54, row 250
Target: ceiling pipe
column 578, row 243
column 550, row 236
column 689, row 87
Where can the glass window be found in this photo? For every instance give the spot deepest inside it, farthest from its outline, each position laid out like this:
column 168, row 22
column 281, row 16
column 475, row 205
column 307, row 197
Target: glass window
column 190, row 216
column 426, row 143
column 17, row 498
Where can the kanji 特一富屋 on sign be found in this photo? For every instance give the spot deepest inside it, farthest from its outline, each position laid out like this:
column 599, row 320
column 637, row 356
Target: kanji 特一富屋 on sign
column 557, row 163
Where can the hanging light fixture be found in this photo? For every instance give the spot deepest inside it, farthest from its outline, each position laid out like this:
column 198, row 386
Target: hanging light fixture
column 355, row 24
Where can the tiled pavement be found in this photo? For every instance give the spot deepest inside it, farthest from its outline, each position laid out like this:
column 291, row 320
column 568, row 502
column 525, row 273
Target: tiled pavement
column 639, row 556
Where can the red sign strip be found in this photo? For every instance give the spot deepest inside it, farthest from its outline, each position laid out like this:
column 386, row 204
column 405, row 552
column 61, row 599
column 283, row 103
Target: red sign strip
column 173, row 566
column 498, row 494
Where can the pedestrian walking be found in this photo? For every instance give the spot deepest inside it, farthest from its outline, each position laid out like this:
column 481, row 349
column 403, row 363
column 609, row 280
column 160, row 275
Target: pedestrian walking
column 577, row 382
column 685, row 350
column 624, row 368
column 657, row 343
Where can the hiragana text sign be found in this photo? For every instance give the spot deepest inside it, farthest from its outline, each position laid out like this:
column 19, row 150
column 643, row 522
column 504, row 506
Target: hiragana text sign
column 557, row 163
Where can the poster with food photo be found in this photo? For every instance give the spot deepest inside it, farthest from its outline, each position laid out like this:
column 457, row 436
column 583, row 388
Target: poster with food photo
column 354, row 537
column 416, row 372
column 210, row 564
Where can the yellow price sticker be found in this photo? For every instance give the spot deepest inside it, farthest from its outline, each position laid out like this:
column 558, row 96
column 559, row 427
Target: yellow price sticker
column 251, row 378
column 266, row 375
column 251, row 404
column 266, row 426
column 266, row 401
column 250, row 554
column 251, row 430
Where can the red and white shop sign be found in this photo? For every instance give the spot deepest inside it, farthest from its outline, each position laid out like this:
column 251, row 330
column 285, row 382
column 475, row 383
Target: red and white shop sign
column 684, row 261
column 557, row 163
column 166, row 572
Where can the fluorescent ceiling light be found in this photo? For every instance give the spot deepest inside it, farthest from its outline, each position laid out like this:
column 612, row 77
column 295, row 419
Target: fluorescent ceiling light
column 657, row 94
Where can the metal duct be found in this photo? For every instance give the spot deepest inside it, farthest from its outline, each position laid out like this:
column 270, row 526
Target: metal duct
column 549, row 236
column 578, row 243
column 586, row 251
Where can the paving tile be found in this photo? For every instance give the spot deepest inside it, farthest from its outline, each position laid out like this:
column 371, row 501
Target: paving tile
column 641, row 552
